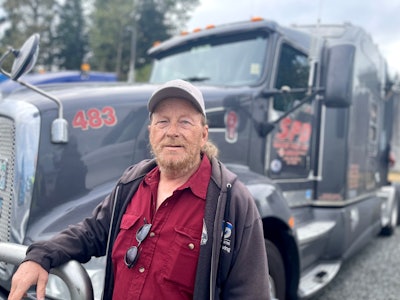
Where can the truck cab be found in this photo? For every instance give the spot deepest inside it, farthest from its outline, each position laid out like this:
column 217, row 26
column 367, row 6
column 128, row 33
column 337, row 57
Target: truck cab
column 301, row 114
column 307, row 107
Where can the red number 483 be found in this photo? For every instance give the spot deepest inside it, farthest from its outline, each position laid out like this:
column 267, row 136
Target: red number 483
column 94, row 118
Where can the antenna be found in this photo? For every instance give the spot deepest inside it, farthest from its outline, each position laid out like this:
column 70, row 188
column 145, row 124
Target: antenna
column 314, row 49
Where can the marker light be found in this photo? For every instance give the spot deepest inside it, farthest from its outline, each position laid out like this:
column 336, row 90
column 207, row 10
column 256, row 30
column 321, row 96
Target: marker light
column 291, row 222
column 256, row 19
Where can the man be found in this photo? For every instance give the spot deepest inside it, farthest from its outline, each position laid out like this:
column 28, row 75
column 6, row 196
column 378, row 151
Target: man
column 161, row 227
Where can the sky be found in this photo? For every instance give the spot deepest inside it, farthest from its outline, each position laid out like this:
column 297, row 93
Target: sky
column 380, row 18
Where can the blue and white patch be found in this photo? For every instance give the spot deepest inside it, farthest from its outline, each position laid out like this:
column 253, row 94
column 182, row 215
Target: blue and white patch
column 227, row 227
column 204, row 234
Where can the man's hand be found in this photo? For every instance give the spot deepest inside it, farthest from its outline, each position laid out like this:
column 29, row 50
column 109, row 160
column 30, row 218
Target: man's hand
column 28, row 273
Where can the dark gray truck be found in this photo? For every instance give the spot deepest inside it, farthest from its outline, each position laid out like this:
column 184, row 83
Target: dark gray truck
column 303, row 115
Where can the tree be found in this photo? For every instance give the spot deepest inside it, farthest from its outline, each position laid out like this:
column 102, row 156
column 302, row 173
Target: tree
column 114, row 22
column 71, row 37
column 108, row 33
column 117, row 31
column 26, row 17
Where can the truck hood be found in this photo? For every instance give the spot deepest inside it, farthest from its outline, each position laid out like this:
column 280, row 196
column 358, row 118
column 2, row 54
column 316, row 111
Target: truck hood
column 140, row 92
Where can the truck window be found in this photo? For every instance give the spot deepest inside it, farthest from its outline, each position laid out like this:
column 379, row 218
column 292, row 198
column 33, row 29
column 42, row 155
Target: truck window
column 234, row 60
column 293, row 71
column 291, row 143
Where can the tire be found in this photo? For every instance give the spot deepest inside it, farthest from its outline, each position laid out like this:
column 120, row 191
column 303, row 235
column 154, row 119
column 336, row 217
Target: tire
column 276, row 271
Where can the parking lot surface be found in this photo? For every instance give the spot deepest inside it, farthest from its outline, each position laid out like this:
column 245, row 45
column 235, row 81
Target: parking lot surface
column 372, row 274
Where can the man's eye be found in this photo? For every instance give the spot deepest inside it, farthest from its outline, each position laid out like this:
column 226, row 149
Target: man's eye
column 186, row 122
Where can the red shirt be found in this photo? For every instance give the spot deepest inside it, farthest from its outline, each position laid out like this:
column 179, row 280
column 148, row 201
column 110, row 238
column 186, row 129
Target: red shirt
column 166, row 267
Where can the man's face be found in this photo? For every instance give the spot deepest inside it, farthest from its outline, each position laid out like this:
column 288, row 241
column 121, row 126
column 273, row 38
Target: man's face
column 177, row 134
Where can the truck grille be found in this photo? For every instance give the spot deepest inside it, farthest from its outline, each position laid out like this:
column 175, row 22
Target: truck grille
column 7, row 162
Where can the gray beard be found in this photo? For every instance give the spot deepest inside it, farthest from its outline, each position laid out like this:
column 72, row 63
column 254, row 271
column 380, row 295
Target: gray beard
column 181, row 166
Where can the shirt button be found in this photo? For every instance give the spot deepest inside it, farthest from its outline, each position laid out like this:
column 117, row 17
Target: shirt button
column 191, row 246
column 152, row 234
column 141, row 269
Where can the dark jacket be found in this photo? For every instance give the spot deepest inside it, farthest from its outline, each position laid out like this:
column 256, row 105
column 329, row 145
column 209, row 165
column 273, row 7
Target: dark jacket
column 242, row 272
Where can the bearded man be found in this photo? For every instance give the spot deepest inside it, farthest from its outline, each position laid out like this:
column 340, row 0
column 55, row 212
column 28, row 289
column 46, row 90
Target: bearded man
column 179, row 226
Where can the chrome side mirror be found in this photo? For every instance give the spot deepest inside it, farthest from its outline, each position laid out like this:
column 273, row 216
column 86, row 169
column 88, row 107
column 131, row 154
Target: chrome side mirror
column 25, row 59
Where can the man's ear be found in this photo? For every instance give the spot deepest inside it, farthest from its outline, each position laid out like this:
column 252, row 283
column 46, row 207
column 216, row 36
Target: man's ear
column 205, row 134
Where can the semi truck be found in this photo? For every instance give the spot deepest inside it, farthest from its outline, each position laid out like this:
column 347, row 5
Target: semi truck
column 302, row 114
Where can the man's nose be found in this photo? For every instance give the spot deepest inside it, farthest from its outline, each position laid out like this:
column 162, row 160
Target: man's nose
column 173, row 129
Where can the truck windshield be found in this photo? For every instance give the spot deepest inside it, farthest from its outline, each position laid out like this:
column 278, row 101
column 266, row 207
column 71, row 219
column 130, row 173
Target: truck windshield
column 229, row 61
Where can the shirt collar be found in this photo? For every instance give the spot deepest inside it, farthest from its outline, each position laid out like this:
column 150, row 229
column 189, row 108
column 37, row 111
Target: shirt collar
column 197, row 183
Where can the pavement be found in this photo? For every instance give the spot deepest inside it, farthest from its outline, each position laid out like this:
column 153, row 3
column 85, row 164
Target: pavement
column 372, row 274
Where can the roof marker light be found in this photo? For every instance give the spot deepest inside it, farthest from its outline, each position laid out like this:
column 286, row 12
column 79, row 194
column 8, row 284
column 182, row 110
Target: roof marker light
column 257, row 19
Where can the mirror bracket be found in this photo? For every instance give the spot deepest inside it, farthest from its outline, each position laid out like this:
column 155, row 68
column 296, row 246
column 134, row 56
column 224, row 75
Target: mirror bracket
column 25, row 59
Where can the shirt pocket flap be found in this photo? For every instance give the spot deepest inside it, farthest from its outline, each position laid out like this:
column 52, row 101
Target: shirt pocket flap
column 128, row 221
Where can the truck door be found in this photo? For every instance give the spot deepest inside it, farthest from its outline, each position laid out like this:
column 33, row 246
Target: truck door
column 290, row 144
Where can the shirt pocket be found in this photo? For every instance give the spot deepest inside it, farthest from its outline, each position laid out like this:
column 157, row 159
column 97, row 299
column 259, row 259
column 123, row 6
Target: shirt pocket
column 128, row 221
column 184, row 255
column 125, row 239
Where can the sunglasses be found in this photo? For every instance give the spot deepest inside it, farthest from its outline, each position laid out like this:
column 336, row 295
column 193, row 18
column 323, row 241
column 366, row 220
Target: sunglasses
column 132, row 254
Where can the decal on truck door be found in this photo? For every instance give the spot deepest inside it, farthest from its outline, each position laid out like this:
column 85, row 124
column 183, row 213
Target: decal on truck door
column 291, row 145
column 293, row 141
column 231, row 126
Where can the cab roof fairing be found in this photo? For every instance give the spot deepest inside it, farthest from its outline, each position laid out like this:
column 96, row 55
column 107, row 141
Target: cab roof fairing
column 297, row 36
column 334, row 33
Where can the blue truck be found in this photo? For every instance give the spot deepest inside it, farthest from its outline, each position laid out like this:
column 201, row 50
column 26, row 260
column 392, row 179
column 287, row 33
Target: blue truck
column 8, row 86
column 302, row 114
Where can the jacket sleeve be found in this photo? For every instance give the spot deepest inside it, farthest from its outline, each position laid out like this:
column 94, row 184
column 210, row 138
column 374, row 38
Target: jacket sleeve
column 78, row 242
column 248, row 275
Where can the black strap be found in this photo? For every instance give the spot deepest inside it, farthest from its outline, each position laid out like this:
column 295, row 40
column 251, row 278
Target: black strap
column 221, row 279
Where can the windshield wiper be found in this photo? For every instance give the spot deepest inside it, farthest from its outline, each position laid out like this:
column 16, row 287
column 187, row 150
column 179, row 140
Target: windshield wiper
column 196, row 79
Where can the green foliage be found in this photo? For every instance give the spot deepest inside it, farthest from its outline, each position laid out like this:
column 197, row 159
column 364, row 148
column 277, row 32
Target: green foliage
column 26, row 17
column 126, row 29
column 143, row 73
column 71, row 38
column 108, row 37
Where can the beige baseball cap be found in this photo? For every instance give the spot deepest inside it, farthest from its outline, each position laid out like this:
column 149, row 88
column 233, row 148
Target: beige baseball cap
column 177, row 88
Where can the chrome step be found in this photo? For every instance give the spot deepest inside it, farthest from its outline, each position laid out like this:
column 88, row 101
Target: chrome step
column 318, row 277
column 313, row 231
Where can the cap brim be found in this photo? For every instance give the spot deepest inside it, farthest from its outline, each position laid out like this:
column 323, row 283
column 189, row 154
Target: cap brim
column 172, row 92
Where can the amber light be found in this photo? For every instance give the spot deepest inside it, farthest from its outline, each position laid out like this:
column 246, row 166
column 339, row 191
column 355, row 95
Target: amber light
column 256, row 19
column 291, row 222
